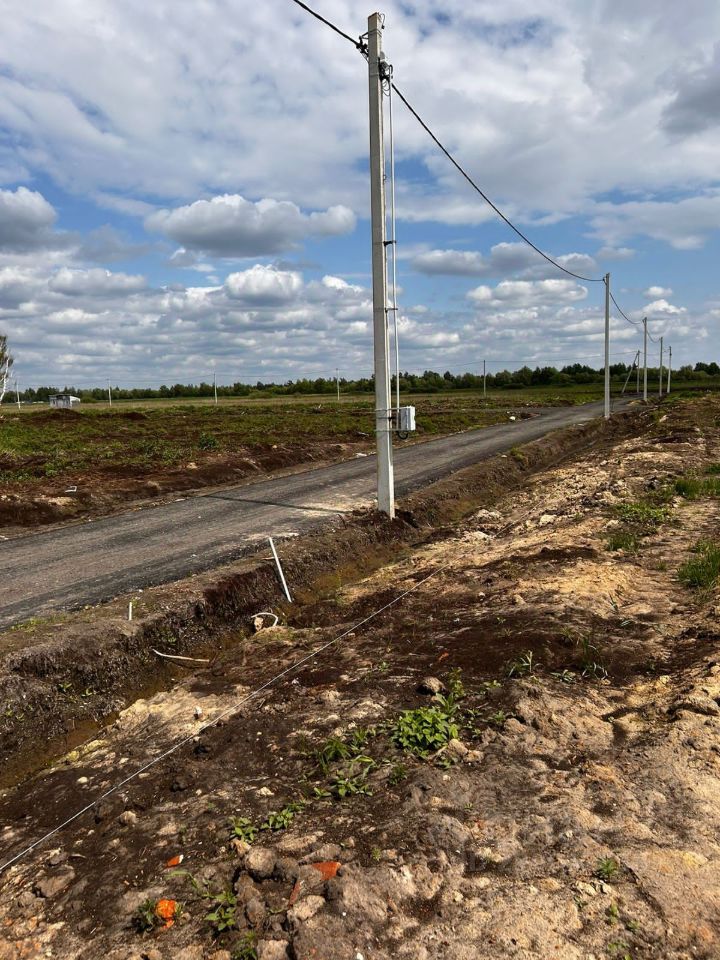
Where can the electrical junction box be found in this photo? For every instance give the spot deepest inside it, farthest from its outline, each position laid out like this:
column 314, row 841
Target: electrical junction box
column 406, row 419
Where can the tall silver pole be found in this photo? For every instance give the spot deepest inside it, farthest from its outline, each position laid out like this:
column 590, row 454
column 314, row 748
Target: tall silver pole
column 661, row 368
column 645, row 359
column 337, row 382
column 669, row 368
column 607, row 346
column 383, row 412
column 17, row 394
column 109, row 394
column 215, row 386
column 484, row 382
column 637, row 366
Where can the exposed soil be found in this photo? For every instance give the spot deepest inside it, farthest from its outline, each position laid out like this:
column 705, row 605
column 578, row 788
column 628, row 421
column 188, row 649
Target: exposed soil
column 574, row 813
column 60, row 675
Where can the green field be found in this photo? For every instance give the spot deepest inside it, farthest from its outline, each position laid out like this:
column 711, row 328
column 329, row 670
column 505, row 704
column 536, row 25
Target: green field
column 144, row 438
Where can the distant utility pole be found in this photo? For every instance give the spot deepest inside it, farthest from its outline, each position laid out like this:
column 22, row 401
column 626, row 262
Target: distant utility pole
column 109, row 393
column 661, row 367
column 337, row 382
column 383, row 413
column 607, row 346
column 484, row 382
column 17, row 394
column 669, row 368
column 637, row 366
column 645, row 359
column 215, row 386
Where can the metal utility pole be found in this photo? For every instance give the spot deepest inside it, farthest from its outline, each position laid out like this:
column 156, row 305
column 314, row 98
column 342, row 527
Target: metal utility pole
column 661, row 367
column 637, row 365
column 484, row 382
column 337, row 381
column 109, row 393
column 607, row 346
column 17, row 394
column 215, row 386
column 383, row 411
column 645, row 359
column 669, row 368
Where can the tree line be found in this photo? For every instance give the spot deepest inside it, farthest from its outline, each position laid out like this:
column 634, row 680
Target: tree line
column 427, row 382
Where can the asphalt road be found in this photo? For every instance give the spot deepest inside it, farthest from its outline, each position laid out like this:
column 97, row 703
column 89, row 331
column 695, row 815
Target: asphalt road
column 87, row 563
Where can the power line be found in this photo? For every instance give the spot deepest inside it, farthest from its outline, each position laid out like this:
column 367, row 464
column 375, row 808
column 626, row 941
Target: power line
column 361, row 47
column 624, row 315
column 487, row 199
column 358, row 44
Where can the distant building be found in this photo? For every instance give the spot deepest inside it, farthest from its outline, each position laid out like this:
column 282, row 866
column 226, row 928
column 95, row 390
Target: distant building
column 64, row 400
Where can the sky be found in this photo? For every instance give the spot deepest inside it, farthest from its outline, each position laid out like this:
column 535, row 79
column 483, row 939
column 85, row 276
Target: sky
column 184, row 188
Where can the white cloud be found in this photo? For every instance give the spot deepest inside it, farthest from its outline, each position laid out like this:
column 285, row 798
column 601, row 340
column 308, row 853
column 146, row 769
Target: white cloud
column 263, row 285
column 557, row 115
column 97, row 281
column 26, row 220
column 656, row 292
column 521, row 292
column 684, row 224
column 504, row 259
column 231, row 226
column 661, row 308
column 694, row 107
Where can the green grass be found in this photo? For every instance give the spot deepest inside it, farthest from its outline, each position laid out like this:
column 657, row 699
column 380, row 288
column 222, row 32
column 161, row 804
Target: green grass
column 693, row 488
column 623, row 540
column 643, row 514
column 703, row 569
column 639, row 518
column 141, row 439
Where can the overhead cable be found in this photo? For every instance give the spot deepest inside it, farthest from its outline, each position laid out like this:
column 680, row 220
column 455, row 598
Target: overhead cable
column 622, row 314
column 487, row 199
column 358, row 44
column 229, row 711
column 361, row 47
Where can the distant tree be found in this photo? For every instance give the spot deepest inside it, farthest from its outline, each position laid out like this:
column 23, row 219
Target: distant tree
column 6, row 362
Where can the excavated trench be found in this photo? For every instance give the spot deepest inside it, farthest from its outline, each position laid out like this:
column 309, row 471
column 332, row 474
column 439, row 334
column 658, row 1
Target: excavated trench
column 64, row 679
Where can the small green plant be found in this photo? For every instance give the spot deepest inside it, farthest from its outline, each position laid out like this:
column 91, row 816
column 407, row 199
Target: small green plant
column 243, row 829
column 426, row 729
column 523, row 666
column 246, row 949
column 223, row 915
column 619, row 950
column 397, row 774
column 612, row 914
column 145, row 918
column 208, row 442
column 607, row 869
column 332, row 751
column 702, row 570
column 623, row 540
column 498, row 718
column 566, row 676
column 281, row 819
column 376, row 854
column 455, row 686
column 350, row 786
column 321, row 793
column 591, row 667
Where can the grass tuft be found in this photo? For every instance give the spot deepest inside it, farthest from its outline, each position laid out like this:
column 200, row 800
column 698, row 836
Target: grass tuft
column 702, row 570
